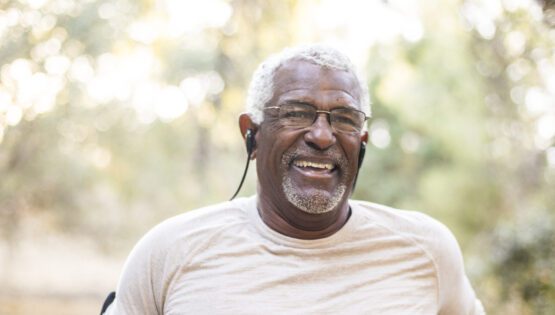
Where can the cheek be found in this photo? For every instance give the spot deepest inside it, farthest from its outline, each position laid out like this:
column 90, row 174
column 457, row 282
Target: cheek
column 274, row 142
column 268, row 164
column 265, row 149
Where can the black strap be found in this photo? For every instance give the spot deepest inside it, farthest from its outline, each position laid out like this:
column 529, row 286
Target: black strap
column 109, row 299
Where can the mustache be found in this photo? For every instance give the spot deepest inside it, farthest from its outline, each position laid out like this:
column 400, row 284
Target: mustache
column 333, row 154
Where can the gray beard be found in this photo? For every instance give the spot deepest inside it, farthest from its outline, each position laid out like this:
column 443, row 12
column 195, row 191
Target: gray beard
column 313, row 203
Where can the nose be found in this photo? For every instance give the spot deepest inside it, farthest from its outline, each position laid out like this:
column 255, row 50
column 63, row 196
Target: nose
column 320, row 135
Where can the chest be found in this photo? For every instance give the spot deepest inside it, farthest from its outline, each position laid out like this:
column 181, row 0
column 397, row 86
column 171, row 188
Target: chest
column 355, row 278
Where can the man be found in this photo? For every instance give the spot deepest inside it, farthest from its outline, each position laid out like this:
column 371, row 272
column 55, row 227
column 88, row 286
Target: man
column 300, row 246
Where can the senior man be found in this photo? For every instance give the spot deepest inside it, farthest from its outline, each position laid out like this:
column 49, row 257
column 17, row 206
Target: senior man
column 300, row 245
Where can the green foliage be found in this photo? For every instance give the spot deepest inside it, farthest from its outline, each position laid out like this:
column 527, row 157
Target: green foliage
column 522, row 262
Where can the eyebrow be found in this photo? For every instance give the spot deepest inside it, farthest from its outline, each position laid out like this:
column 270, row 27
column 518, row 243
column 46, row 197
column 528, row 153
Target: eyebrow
column 288, row 102
column 309, row 103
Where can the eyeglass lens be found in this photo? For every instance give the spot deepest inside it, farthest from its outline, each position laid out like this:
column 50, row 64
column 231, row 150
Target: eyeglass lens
column 304, row 115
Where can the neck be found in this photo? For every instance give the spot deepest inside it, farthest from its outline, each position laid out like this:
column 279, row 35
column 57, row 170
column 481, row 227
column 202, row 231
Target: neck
column 290, row 221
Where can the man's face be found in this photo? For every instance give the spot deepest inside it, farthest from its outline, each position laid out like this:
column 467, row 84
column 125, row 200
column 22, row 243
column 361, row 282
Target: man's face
column 311, row 168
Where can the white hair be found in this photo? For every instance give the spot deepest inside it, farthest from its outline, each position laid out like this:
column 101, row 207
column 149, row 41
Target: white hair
column 261, row 88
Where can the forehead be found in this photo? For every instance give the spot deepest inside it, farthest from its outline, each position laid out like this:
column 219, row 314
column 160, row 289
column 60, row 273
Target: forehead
column 303, row 79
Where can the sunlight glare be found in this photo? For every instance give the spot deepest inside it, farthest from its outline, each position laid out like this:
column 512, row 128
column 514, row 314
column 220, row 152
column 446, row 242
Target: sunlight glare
column 107, row 11
column 550, row 155
column 355, row 26
column 537, row 101
column 515, row 43
column 215, row 83
column 5, row 100
column 117, row 75
column 13, row 115
column 195, row 90
column 20, row 70
column 513, row 5
column 57, row 65
column 81, row 69
column 379, row 134
column 98, row 156
column 45, row 24
column 144, row 100
column 545, row 126
column 10, row 17
column 48, row 48
column 146, row 31
column 36, row 90
column 190, row 16
column 546, row 67
column 170, row 103
column 481, row 17
column 35, row 4
column 370, row 20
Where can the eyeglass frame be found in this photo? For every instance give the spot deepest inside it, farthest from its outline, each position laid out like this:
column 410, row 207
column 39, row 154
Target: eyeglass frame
column 328, row 112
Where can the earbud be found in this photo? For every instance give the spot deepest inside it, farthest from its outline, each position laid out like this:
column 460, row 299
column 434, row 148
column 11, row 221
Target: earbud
column 249, row 135
column 361, row 153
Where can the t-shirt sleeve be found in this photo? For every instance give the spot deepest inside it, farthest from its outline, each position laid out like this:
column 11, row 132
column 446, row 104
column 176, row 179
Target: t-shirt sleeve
column 141, row 286
column 456, row 295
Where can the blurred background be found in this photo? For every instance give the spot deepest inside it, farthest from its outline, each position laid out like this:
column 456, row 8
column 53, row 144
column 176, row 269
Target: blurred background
column 115, row 115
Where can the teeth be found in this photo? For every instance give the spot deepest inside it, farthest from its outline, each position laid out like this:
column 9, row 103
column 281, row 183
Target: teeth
column 326, row 166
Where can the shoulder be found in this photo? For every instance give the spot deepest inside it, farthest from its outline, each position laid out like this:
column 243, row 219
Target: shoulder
column 455, row 294
column 413, row 224
column 161, row 252
column 432, row 236
column 199, row 223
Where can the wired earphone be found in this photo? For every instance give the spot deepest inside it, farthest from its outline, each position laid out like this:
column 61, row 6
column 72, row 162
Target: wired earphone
column 249, row 136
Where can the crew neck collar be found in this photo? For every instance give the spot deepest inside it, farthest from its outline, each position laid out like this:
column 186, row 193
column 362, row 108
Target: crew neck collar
column 284, row 240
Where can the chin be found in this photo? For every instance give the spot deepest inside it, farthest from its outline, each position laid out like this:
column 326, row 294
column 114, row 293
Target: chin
column 314, row 201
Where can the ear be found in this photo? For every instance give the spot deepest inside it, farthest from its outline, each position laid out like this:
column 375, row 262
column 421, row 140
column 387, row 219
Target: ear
column 246, row 123
column 364, row 137
column 362, row 149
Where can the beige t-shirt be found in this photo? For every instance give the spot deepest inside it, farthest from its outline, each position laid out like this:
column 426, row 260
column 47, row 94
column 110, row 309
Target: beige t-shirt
column 223, row 259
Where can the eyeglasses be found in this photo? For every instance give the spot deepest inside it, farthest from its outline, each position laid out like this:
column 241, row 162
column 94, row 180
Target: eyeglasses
column 300, row 115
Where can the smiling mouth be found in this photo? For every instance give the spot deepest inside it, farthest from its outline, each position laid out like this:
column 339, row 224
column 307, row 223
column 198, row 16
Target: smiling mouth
column 315, row 166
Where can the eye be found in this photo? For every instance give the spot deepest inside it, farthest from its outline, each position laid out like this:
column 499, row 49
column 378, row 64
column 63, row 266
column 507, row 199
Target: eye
column 345, row 117
column 347, row 120
column 297, row 112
